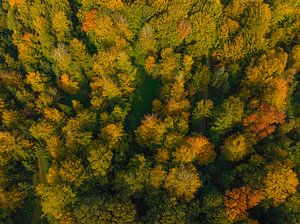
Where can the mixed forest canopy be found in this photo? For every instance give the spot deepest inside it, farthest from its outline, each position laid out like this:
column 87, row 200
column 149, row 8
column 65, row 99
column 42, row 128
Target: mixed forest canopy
column 149, row 111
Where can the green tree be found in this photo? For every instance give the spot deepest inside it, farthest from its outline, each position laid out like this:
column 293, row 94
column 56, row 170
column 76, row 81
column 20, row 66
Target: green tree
column 229, row 115
column 105, row 209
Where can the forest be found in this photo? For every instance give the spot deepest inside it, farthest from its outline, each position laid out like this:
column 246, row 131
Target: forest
column 149, row 111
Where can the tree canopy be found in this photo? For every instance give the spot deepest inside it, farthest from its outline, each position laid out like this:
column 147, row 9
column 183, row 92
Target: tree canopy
column 149, row 111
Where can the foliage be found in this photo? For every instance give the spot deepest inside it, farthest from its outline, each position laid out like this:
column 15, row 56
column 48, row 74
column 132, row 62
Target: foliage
column 262, row 123
column 230, row 114
column 104, row 210
column 195, row 148
column 149, row 111
column 239, row 200
column 183, row 182
column 236, row 147
column 280, row 182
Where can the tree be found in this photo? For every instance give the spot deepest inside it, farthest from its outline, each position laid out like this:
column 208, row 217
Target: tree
column 203, row 109
column 195, row 148
column 137, row 176
column 256, row 21
column 267, row 66
column 10, row 196
column 112, row 133
column 78, row 130
column 229, row 115
column 37, row 81
column 53, row 115
column 28, row 49
column 167, row 211
column 56, row 200
column 280, row 182
column 183, row 182
column 204, row 30
column 277, row 93
column 151, row 131
column 72, row 171
column 290, row 209
column 200, row 80
column 215, row 209
column 239, row 200
column 169, row 65
column 157, row 176
column 236, row 147
column 69, row 85
column 42, row 130
column 262, row 123
column 10, row 118
column 99, row 158
column 105, row 209
column 61, row 25
column 147, row 43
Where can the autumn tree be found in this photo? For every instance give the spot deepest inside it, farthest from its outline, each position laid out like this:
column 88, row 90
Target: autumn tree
column 263, row 122
column 195, row 148
column 166, row 210
column 78, row 130
column 99, row 157
column 56, row 199
column 239, row 200
column 203, row 109
column 215, row 209
column 236, row 147
column 105, row 209
column 72, row 171
column 280, row 182
column 137, row 176
column 102, row 104
column 150, row 132
column 183, row 182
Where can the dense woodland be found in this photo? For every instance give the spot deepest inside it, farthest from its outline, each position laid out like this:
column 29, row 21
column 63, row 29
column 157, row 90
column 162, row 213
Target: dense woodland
column 149, row 111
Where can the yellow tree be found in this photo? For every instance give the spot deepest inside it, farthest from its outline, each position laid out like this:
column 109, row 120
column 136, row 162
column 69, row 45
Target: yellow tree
column 147, row 42
column 169, row 65
column 68, row 84
column 280, row 182
column 203, row 109
column 276, row 93
column 55, row 199
column 53, row 146
column 72, row 171
column 183, row 182
column 256, row 21
column 10, row 118
column 177, row 104
column 99, row 157
column 157, row 176
column 61, row 25
column 37, row 81
column 53, row 115
column 151, row 131
column 112, row 134
column 267, row 66
column 235, row 147
column 42, row 130
column 195, row 148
